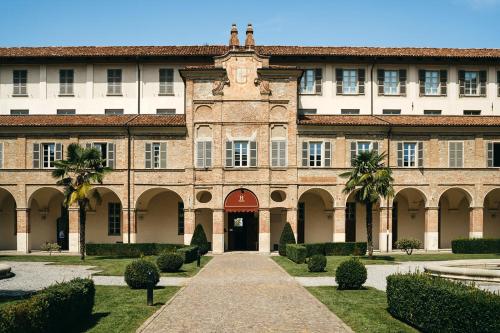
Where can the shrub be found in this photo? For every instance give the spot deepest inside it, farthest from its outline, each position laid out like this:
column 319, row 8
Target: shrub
column 200, row 239
column 296, row 253
column 408, row 245
column 189, row 253
column 170, row 261
column 141, row 274
column 345, row 249
column 50, row 247
column 287, row 237
column 351, row 274
column 433, row 304
column 130, row 250
column 315, row 248
column 316, row 263
column 53, row 309
column 476, row 245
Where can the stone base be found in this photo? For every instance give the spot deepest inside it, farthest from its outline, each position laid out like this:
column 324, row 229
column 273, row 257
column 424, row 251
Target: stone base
column 74, row 242
column 22, row 242
column 264, row 242
column 187, row 239
column 218, row 243
column 476, row 234
column 339, row 237
column 133, row 238
column 385, row 242
column 431, row 241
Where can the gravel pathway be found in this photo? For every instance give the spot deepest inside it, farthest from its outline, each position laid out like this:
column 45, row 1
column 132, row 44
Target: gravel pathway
column 238, row 292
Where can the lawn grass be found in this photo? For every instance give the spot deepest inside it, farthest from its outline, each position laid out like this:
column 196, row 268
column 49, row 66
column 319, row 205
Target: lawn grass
column 106, row 265
column 333, row 261
column 362, row 310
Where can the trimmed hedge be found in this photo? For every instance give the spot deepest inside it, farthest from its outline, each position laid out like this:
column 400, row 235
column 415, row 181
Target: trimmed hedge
column 476, row 245
column 200, row 239
column 134, row 250
column 170, row 261
column 57, row 308
column 433, row 304
column 190, row 253
column 287, row 237
column 336, row 249
column 141, row 274
column 316, row 263
column 351, row 274
column 296, row 253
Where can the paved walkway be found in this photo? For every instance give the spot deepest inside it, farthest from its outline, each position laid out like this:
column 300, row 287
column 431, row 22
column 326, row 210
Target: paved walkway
column 239, row 292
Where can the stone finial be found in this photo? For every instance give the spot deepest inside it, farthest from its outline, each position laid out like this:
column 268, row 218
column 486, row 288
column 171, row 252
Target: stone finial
column 249, row 41
column 234, row 42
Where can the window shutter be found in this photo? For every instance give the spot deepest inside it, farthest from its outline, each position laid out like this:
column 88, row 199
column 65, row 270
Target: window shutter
column 199, row 154
column 353, row 152
column 461, row 80
column 304, row 154
column 147, row 158
column 229, row 153
column 460, row 157
column 36, row 156
column 170, row 81
column 1, row 155
column 274, row 153
column 420, row 145
column 111, row 155
column 208, row 154
column 421, row 81
column 400, row 154
column 402, row 81
column 328, row 154
column 375, row 146
column 443, row 78
column 253, row 153
column 482, row 82
column 489, row 155
column 59, row 148
column 380, row 81
column 498, row 83
column 361, row 81
column 339, row 79
column 282, row 153
column 318, row 76
column 163, row 155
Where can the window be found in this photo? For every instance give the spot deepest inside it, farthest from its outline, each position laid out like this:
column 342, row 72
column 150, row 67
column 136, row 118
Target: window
column 165, row 111
column 431, row 82
column 304, row 112
column 278, row 153
column 204, row 154
column 493, row 155
column 349, row 81
column 19, row 112
column 455, row 154
column 349, row 111
column 410, row 154
column 310, row 82
column 472, row 83
column 432, row 112
column 1, row 155
column 391, row 83
column 44, row 155
column 316, row 154
column 391, row 111
column 66, row 111
column 20, row 82
column 472, row 112
column 156, row 155
column 180, row 218
column 114, row 81
column 166, row 81
column 359, row 146
column 114, row 219
column 107, row 150
column 66, row 78
column 241, row 154
column 113, row 112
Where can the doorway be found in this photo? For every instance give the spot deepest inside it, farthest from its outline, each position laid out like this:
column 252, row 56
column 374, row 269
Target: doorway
column 243, row 232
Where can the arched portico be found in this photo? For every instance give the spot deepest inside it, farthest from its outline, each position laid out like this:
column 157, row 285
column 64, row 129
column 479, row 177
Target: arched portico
column 408, row 215
column 454, row 216
column 241, row 208
column 315, row 216
column 104, row 218
column 8, row 221
column 355, row 221
column 491, row 214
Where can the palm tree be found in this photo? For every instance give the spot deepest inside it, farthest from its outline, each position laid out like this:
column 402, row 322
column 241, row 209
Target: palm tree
column 77, row 174
column 371, row 179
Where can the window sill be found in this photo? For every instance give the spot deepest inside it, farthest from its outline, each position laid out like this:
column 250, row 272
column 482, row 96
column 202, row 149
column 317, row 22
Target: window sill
column 392, row 95
column 473, row 96
column 240, row 168
column 353, row 94
column 66, row 95
column 428, row 95
column 310, row 94
column 279, row 168
column 204, row 169
column 114, row 235
column 20, row 95
column 114, row 95
column 172, row 94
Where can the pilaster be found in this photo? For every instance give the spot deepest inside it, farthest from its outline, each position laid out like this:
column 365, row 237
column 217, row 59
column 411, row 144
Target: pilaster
column 264, row 231
column 431, row 234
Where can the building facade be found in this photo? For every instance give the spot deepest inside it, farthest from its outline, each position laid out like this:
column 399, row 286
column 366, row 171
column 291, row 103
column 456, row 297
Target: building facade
column 244, row 138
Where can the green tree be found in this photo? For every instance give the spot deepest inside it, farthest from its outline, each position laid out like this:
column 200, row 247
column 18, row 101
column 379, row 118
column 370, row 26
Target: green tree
column 78, row 173
column 200, row 239
column 371, row 179
column 287, row 237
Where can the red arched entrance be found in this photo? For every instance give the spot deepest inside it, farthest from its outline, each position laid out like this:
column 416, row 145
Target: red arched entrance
column 242, row 208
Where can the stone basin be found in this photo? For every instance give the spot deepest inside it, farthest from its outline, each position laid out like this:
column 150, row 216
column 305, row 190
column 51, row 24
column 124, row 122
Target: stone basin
column 5, row 271
column 471, row 270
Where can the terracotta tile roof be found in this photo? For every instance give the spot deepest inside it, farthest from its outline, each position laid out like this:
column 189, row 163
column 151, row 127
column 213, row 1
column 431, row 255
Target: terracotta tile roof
column 215, row 50
column 397, row 120
column 92, row 120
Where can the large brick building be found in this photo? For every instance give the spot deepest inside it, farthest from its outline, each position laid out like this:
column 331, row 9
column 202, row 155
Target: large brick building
column 243, row 138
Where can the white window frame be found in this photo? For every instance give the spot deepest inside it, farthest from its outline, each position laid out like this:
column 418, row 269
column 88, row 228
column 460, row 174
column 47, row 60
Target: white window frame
column 155, row 155
column 370, row 145
column 112, row 222
column 449, row 153
column 279, row 159
column 203, row 159
column 468, row 91
column 493, row 142
column 390, row 89
column 348, row 84
column 415, row 161
column 66, row 86
column 43, row 155
column 315, row 160
column 429, row 83
column 241, row 155
column 19, row 88
column 305, row 79
column 114, row 85
column 165, row 87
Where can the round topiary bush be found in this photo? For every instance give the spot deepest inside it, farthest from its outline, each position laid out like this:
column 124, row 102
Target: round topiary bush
column 141, row 274
column 351, row 274
column 317, row 263
column 170, row 261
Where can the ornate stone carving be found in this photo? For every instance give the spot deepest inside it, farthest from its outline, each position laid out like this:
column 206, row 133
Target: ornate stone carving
column 263, row 86
column 218, row 85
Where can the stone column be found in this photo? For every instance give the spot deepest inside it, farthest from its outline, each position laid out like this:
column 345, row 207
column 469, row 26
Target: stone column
column 385, row 229
column 218, row 231
column 264, row 230
column 22, row 229
column 476, row 222
column 189, row 219
column 291, row 217
column 431, row 234
column 133, row 226
column 74, row 229
column 339, row 224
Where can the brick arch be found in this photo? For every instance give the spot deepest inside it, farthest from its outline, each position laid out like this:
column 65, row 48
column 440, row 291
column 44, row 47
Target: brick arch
column 150, row 193
column 324, row 194
column 468, row 195
column 33, row 194
column 5, row 190
column 423, row 195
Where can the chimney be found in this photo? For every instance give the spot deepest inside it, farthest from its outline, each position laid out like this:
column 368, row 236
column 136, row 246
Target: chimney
column 249, row 41
column 234, row 42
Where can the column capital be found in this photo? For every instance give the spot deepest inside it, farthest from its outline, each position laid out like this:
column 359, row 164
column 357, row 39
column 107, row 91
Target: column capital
column 432, row 208
column 476, row 207
column 21, row 209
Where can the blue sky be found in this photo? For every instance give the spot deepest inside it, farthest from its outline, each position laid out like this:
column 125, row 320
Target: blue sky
column 433, row 23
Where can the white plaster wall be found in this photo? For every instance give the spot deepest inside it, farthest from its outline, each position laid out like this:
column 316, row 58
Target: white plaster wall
column 409, row 227
column 454, row 222
column 8, row 239
column 318, row 225
column 44, row 230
